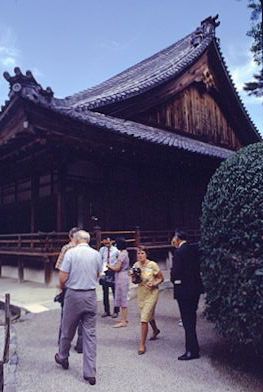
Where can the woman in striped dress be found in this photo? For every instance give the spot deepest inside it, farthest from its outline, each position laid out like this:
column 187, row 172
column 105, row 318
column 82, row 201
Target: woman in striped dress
column 121, row 268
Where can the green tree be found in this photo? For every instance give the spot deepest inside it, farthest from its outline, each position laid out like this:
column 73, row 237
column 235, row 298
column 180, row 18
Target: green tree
column 232, row 248
column 255, row 87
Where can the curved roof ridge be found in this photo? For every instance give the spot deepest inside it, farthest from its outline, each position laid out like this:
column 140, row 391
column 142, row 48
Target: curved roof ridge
column 130, row 69
column 148, row 73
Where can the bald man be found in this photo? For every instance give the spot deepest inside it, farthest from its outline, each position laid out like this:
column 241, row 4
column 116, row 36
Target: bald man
column 79, row 272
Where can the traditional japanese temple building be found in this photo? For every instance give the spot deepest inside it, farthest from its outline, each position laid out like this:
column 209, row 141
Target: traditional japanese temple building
column 135, row 150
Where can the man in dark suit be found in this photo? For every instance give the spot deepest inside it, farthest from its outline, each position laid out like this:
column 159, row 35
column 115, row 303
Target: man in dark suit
column 185, row 275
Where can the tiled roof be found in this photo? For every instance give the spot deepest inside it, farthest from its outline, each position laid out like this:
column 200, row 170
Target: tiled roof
column 147, row 74
column 145, row 133
column 140, row 78
column 129, row 129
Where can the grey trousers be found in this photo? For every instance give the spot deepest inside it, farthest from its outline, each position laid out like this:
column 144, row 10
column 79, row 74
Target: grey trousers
column 80, row 306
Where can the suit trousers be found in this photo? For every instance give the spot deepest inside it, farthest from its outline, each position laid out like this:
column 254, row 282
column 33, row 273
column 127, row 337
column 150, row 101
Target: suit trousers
column 80, row 306
column 188, row 307
column 106, row 301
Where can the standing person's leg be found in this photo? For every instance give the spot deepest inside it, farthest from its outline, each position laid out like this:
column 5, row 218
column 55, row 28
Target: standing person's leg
column 116, row 308
column 70, row 320
column 155, row 329
column 106, row 301
column 192, row 342
column 121, row 299
column 188, row 314
column 151, row 317
column 60, row 323
column 79, row 343
column 89, row 336
column 62, row 297
column 144, row 333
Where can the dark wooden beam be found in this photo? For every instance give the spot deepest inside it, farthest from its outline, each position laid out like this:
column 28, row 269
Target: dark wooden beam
column 61, row 200
column 34, row 202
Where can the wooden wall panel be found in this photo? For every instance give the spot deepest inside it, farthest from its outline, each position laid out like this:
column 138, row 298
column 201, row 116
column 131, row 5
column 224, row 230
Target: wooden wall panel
column 195, row 112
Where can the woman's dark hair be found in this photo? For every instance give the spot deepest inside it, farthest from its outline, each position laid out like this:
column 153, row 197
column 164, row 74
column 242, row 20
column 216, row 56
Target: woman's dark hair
column 121, row 243
column 143, row 249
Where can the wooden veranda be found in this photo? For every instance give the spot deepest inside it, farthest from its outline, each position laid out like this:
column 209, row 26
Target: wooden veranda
column 43, row 248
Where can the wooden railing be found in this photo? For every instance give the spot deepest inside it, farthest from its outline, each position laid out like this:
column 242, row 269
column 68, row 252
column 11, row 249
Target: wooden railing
column 4, row 358
column 53, row 241
column 32, row 242
column 45, row 247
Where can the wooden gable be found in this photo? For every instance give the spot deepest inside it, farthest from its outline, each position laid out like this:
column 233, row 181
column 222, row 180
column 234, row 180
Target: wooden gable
column 196, row 113
column 193, row 105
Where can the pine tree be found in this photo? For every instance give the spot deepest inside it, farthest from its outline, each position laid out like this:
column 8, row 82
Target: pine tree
column 255, row 87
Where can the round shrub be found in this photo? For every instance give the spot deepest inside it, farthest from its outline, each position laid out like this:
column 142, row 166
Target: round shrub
column 232, row 247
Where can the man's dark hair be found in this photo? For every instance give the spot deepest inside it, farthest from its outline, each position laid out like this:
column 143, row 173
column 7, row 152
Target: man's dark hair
column 73, row 231
column 121, row 243
column 180, row 234
column 106, row 237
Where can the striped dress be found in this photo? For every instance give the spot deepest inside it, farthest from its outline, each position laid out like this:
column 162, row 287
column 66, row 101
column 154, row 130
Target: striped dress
column 122, row 280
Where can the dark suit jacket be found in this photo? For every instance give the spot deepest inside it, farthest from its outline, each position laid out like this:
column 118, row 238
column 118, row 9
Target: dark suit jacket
column 186, row 268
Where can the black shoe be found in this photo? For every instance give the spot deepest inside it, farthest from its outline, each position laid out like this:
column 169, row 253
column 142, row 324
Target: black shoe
column 105, row 314
column 91, row 380
column 188, row 356
column 115, row 315
column 78, row 349
column 63, row 362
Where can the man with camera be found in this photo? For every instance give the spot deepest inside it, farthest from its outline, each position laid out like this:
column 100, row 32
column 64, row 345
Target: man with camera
column 79, row 271
column 185, row 275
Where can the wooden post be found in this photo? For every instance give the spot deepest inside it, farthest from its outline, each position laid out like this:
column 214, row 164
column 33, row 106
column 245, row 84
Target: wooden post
column 97, row 231
column 6, row 341
column 7, row 327
column 81, row 210
column 19, row 243
column 137, row 236
column 20, row 266
column 34, row 199
column 48, row 269
column 52, row 182
column 61, row 202
column 1, row 375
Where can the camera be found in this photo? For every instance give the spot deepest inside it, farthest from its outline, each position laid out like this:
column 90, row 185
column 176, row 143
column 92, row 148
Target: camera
column 60, row 297
column 136, row 275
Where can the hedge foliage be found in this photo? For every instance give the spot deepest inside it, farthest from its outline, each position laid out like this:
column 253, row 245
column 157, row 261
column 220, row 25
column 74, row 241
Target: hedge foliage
column 232, row 247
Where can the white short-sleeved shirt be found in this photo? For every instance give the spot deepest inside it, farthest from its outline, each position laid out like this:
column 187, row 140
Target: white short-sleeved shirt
column 83, row 264
column 109, row 255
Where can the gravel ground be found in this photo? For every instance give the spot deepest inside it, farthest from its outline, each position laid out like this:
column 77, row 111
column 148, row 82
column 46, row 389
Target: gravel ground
column 119, row 368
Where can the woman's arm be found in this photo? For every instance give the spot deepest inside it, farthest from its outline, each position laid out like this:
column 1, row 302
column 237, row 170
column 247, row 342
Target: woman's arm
column 157, row 280
column 115, row 267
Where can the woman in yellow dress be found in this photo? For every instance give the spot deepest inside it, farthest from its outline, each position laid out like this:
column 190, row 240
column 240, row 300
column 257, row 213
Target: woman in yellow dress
column 147, row 294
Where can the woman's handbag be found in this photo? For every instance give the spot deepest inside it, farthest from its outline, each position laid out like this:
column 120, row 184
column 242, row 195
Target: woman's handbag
column 107, row 280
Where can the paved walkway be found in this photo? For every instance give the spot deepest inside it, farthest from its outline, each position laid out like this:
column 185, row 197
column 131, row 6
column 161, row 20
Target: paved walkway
column 35, row 297
column 119, row 368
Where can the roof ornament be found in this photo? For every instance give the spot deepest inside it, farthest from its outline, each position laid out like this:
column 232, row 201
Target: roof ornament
column 27, row 86
column 207, row 28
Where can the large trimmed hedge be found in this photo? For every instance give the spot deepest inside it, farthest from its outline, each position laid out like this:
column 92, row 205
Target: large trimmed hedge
column 232, row 247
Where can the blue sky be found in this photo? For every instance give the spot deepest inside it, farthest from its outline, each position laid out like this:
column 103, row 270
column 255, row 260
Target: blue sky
column 71, row 45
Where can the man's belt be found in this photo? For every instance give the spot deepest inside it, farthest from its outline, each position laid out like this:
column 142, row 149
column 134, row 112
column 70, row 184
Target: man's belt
column 82, row 289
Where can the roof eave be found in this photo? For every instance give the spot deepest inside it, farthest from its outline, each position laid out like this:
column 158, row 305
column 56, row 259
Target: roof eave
column 236, row 95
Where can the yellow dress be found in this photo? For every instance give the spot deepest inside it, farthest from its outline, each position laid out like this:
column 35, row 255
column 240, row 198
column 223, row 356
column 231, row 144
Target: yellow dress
column 147, row 297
